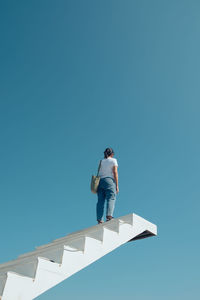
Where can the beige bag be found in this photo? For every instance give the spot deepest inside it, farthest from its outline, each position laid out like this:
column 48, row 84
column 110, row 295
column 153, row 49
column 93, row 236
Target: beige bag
column 95, row 181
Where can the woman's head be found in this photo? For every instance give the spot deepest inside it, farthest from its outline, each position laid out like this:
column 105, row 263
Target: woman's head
column 108, row 152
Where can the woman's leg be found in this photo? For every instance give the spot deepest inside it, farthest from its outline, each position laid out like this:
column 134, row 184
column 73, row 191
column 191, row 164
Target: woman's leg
column 110, row 206
column 111, row 199
column 100, row 204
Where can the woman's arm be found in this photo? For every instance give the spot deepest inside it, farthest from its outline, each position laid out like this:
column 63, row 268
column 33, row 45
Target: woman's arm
column 115, row 173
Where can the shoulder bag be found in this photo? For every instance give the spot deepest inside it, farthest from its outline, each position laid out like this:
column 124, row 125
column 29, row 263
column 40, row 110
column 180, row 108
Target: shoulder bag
column 95, row 181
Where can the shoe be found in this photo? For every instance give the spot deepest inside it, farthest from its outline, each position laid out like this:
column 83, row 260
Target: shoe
column 108, row 218
column 99, row 222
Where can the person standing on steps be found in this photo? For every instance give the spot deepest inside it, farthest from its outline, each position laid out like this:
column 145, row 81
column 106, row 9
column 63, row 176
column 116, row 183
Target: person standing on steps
column 108, row 186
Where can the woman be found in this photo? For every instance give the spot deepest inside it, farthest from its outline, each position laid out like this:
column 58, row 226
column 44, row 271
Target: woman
column 108, row 185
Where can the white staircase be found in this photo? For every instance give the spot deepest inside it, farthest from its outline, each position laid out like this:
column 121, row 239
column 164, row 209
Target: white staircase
column 33, row 273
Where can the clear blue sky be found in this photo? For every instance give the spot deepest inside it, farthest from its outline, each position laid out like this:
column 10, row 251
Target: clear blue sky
column 75, row 78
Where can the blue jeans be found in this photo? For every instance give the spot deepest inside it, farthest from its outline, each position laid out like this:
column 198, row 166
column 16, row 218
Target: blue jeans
column 106, row 192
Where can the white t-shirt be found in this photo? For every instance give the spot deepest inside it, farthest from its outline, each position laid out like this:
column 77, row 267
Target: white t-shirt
column 107, row 165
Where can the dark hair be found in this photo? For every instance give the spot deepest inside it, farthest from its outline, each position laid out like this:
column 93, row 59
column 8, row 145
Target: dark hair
column 108, row 152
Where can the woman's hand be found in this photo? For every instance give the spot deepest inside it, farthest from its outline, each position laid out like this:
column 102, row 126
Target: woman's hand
column 117, row 189
column 115, row 173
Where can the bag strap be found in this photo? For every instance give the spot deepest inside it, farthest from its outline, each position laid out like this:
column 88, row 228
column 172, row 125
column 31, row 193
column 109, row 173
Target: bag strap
column 99, row 167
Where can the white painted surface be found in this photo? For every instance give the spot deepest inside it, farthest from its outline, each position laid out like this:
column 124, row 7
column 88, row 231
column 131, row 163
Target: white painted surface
column 33, row 273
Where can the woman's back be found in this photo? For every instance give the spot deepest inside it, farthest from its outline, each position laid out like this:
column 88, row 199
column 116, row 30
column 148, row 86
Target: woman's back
column 106, row 169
